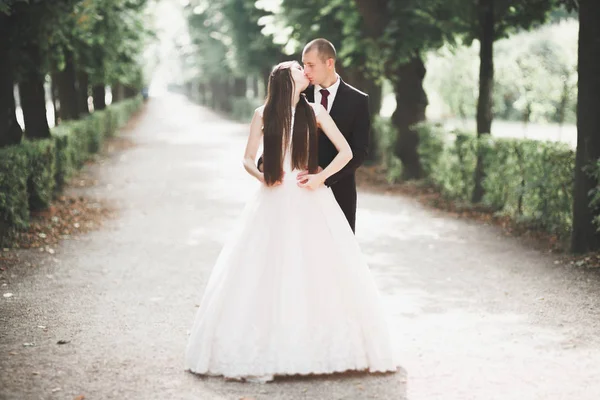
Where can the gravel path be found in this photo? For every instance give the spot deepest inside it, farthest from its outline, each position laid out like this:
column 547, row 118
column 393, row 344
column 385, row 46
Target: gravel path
column 474, row 314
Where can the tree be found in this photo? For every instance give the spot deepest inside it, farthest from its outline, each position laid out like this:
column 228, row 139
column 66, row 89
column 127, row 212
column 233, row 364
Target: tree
column 399, row 32
column 253, row 51
column 206, row 58
column 108, row 38
column 227, row 48
column 29, row 29
column 487, row 21
column 339, row 22
column 585, row 236
column 10, row 130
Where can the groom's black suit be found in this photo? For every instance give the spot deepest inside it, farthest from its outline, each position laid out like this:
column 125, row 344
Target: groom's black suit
column 350, row 112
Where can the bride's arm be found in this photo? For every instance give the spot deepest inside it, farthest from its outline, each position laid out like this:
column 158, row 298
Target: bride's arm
column 252, row 146
column 343, row 156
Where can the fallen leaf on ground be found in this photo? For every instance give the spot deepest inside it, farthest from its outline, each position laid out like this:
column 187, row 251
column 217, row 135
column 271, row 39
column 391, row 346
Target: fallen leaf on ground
column 48, row 227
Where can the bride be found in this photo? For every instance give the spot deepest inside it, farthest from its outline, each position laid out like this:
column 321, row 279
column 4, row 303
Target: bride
column 290, row 292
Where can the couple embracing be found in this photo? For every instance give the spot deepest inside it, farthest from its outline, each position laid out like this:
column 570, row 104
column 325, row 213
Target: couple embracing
column 291, row 293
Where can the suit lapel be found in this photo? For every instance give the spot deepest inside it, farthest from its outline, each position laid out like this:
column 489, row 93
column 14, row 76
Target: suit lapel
column 338, row 103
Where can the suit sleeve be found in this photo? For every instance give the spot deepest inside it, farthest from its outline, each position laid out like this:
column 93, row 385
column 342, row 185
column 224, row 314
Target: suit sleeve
column 359, row 142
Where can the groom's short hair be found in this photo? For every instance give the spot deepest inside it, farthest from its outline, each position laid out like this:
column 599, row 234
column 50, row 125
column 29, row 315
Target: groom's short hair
column 324, row 48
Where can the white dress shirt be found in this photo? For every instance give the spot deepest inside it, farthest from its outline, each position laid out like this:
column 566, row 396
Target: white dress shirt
column 332, row 92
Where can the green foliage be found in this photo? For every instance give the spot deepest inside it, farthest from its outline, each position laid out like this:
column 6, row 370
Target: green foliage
column 432, row 140
column 454, row 173
column 14, row 210
column 535, row 76
column 31, row 172
column 594, row 172
column 386, row 141
column 64, row 159
column 41, row 169
column 532, row 181
column 509, row 16
column 106, row 37
column 7, row 5
column 338, row 21
column 227, row 41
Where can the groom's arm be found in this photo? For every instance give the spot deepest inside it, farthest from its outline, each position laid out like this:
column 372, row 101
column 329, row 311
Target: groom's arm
column 259, row 164
column 359, row 142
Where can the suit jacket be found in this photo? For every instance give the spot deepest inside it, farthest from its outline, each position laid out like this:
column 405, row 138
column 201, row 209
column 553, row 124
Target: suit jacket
column 350, row 112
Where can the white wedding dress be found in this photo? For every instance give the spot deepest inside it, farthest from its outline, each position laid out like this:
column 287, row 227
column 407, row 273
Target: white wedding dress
column 290, row 293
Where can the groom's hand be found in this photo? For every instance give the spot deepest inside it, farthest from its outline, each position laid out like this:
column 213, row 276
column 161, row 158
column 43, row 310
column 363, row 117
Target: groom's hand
column 302, row 176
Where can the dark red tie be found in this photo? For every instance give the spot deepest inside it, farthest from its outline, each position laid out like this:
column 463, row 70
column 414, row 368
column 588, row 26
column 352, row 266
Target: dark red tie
column 324, row 95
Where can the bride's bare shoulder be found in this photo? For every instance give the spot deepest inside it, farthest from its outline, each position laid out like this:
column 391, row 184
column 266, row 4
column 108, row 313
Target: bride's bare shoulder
column 260, row 110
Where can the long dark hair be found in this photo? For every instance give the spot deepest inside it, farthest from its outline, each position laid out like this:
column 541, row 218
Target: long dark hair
column 277, row 122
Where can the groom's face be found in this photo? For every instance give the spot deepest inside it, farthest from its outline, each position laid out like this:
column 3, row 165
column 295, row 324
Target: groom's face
column 315, row 69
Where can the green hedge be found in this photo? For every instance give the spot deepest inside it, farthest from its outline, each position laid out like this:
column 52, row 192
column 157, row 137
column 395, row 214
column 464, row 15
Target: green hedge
column 14, row 210
column 530, row 180
column 41, row 175
column 386, row 136
column 33, row 171
column 594, row 171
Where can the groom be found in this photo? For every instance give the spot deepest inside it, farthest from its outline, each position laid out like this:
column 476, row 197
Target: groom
column 349, row 109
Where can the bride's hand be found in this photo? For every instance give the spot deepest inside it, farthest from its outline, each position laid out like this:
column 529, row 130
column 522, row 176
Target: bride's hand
column 310, row 181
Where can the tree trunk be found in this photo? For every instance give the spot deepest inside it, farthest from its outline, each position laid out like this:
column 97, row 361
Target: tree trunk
column 202, row 96
column 214, row 93
column 225, row 96
column 67, row 89
column 255, row 87
column 561, row 112
column 10, row 130
column 239, row 87
column 83, row 87
column 54, row 94
column 486, row 86
column 374, row 15
column 585, row 236
column 118, row 92
column 33, row 99
column 411, row 101
column 99, row 94
column 130, row 92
